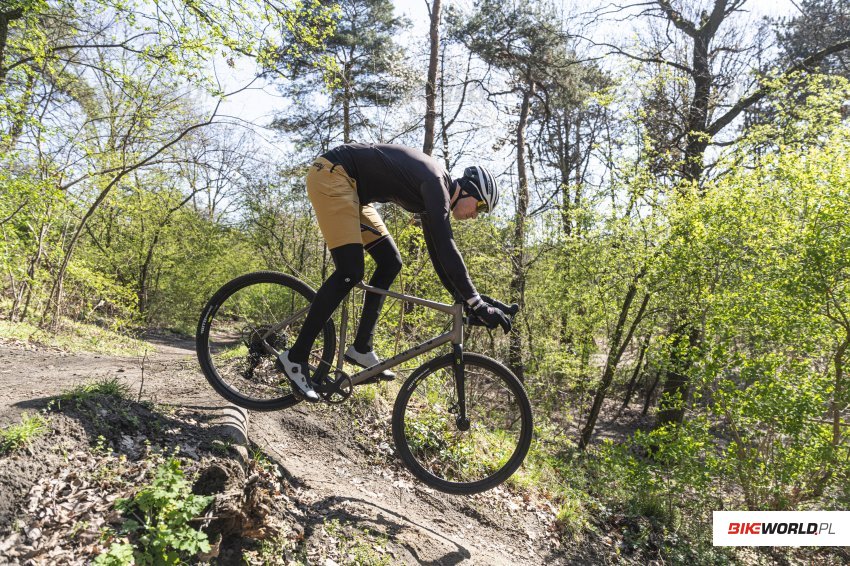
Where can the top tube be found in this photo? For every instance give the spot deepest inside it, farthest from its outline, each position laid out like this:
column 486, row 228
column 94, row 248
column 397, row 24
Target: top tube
column 409, row 298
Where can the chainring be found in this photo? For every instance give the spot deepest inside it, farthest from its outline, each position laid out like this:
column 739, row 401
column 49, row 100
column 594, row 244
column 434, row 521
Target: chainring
column 335, row 391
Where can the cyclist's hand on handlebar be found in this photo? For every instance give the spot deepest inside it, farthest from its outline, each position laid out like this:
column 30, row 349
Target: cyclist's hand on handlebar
column 491, row 316
column 509, row 310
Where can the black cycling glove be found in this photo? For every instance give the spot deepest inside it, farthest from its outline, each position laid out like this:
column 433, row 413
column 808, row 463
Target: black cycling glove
column 490, row 315
column 509, row 310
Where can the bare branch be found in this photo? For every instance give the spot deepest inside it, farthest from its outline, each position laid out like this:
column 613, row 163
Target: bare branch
column 643, row 59
column 678, row 20
column 17, row 210
column 718, row 14
column 806, row 64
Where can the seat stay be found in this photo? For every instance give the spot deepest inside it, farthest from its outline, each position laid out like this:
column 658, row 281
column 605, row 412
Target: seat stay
column 289, row 320
column 278, row 326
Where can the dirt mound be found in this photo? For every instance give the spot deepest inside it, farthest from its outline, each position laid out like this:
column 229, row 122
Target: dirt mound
column 41, row 459
column 326, row 489
column 58, row 495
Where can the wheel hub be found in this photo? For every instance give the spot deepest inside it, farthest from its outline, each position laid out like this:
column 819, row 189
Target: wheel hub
column 253, row 339
column 462, row 423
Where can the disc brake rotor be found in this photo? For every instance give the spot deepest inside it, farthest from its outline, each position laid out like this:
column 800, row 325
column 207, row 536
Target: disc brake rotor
column 252, row 337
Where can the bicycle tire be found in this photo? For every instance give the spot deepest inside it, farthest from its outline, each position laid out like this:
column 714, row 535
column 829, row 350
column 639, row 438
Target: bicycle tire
column 264, row 286
column 424, row 428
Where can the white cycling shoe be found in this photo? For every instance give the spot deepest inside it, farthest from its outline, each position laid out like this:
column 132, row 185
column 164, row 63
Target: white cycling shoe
column 367, row 360
column 298, row 376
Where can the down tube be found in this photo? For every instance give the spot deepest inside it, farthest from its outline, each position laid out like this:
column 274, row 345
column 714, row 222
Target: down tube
column 402, row 357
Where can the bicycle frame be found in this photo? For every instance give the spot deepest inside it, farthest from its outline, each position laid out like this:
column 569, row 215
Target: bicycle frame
column 455, row 335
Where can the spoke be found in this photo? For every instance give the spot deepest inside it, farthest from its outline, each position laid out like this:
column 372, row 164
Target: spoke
column 268, row 316
column 453, row 454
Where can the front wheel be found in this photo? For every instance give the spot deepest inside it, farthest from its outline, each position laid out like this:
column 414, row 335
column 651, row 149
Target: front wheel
column 462, row 457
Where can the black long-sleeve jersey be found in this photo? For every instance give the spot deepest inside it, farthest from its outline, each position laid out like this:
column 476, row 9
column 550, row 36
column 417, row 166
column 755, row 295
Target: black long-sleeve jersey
column 418, row 183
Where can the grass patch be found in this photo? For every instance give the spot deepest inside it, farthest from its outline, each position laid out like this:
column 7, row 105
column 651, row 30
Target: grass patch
column 571, row 521
column 17, row 436
column 237, row 352
column 110, row 386
column 76, row 337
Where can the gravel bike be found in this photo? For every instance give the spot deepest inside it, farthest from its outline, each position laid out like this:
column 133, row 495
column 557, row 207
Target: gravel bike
column 461, row 422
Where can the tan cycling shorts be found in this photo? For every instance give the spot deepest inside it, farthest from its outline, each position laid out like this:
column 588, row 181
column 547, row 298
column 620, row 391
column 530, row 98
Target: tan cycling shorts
column 342, row 219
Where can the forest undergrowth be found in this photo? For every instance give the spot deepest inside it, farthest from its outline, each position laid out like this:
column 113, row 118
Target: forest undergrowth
column 673, row 219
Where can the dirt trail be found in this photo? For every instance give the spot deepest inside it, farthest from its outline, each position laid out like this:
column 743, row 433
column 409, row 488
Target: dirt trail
column 29, row 373
column 341, row 470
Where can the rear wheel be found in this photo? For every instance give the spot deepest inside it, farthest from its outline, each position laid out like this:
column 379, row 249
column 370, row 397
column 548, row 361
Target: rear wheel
column 455, row 456
column 243, row 324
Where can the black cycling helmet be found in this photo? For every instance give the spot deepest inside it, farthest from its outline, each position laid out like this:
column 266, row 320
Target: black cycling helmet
column 480, row 183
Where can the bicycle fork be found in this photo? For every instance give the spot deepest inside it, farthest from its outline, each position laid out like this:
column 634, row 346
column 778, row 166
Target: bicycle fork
column 460, row 386
column 458, row 369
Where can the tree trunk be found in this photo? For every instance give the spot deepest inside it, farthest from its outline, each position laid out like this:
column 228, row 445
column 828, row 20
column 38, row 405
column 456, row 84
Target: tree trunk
column 565, row 167
column 649, row 393
column 5, row 19
column 615, row 352
column 697, row 126
column 633, row 381
column 56, row 292
column 346, row 120
column 431, row 84
column 144, row 275
column 835, row 405
column 346, row 105
column 517, row 286
column 444, row 127
column 677, row 384
column 578, row 171
column 34, row 264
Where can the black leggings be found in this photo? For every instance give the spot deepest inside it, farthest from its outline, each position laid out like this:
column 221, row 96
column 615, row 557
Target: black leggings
column 350, row 267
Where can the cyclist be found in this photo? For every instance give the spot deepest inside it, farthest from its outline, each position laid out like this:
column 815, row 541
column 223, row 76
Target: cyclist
column 342, row 184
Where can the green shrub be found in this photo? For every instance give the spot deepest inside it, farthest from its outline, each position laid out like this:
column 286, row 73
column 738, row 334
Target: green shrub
column 110, row 386
column 571, row 519
column 159, row 521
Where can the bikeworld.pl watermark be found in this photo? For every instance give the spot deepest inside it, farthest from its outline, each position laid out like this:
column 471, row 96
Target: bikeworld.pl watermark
column 781, row 528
